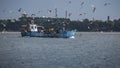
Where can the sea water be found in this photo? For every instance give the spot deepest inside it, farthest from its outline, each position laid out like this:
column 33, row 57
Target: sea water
column 86, row 50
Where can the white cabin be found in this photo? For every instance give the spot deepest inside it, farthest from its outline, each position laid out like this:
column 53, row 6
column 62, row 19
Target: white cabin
column 33, row 27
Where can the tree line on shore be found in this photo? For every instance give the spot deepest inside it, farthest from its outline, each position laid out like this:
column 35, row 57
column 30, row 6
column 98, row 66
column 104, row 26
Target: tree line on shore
column 85, row 25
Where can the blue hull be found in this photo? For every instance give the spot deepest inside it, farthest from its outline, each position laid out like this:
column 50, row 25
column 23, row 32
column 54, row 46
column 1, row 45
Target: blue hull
column 65, row 34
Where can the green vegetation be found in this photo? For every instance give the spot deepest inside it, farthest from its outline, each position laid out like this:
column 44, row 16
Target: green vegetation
column 85, row 25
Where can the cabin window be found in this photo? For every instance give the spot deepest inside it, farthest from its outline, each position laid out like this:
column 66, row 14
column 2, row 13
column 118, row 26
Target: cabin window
column 31, row 27
column 35, row 27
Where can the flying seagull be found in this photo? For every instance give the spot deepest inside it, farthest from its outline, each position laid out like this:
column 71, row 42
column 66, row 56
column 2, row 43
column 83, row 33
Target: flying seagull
column 32, row 15
column 49, row 11
column 106, row 4
column 20, row 9
column 94, row 9
column 82, row 3
column 80, row 14
column 69, row 2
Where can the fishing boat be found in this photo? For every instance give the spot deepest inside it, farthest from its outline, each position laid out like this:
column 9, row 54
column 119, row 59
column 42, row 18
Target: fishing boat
column 32, row 30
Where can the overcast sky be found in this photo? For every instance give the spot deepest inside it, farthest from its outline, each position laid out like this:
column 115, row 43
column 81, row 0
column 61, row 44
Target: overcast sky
column 77, row 9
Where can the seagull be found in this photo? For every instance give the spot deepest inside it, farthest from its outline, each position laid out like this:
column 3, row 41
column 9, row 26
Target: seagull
column 39, row 11
column 94, row 9
column 82, row 3
column 80, row 14
column 106, row 4
column 69, row 2
column 49, row 11
column 32, row 15
column 20, row 9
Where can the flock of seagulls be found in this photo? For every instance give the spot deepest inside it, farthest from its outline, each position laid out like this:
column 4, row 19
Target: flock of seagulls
column 93, row 9
column 107, row 4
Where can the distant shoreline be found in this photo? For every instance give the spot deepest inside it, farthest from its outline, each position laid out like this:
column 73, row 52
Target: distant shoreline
column 77, row 32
